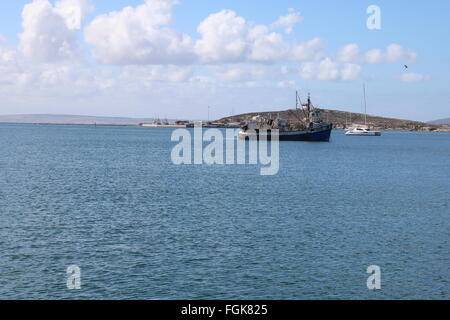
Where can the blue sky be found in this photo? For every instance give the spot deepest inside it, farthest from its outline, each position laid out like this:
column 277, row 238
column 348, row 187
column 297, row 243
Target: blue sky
column 65, row 61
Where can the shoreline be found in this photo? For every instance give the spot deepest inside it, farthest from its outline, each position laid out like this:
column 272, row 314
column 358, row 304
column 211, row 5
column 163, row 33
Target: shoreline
column 427, row 129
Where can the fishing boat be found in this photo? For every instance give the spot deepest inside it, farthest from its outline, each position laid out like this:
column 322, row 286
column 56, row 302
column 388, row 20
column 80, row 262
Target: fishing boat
column 307, row 127
column 363, row 130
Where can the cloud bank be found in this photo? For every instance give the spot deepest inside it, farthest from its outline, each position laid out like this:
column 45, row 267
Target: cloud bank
column 64, row 44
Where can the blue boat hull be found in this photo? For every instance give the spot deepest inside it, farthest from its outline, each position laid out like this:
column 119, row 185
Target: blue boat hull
column 309, row 135
column 320, row 136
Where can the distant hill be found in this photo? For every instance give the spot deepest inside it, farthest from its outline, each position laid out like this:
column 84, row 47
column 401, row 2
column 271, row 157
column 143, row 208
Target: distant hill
column 340, row 119
column 343, row 119
column 71, row 119
column 441, row 121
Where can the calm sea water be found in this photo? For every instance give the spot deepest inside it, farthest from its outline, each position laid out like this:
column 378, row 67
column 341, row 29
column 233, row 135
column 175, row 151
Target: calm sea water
column 109, row 200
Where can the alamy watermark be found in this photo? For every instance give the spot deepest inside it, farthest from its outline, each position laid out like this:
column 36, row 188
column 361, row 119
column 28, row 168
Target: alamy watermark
column 226, row 150
column 374, row 19
column 374, row 281
column 73, row 277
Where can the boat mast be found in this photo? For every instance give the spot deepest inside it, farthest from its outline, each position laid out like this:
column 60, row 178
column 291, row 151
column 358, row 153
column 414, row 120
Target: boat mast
column 365, row 105
column 309, row 107
column 309, row 102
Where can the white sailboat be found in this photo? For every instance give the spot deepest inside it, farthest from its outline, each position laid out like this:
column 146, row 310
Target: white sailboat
column 360, row 131
column 363, row 130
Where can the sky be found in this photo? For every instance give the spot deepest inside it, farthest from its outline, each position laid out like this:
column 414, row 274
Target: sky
column 177, row 59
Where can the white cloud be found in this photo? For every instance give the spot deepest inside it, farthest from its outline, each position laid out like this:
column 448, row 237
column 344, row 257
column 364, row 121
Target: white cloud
column 64, row 79
column 74, row 11
column 350, row 72
column 287, row 84
column 9, row 66
column 72, row 76
column 324, row 70
column 2, row 38
column 239, row 73
column 13, row 73
column 348, row 53
column 202, row 79
column 329, row 70
column 8, row 59
column 156, row 73
column 288, row 21
column 284, row 70
column 267, row 47
column 139, row 36
column 413, row 77
column 224, row 38
column 394, row 53
column 54, row 76
column 229, row 38
column 49, row 32
column 374, row 56
column 309, row 50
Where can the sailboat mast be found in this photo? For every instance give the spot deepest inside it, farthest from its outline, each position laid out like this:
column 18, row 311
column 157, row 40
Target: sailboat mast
column 365, row 105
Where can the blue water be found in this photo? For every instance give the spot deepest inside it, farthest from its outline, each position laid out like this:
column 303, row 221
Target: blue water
column 109, row 200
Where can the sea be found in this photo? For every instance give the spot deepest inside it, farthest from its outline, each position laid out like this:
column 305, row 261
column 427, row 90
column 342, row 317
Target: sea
column 110, row 201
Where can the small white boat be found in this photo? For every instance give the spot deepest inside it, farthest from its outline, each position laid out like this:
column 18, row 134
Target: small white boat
column 363, row 132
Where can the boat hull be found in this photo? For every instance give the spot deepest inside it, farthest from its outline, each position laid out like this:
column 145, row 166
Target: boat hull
column 309, row 135
column 369, row 134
